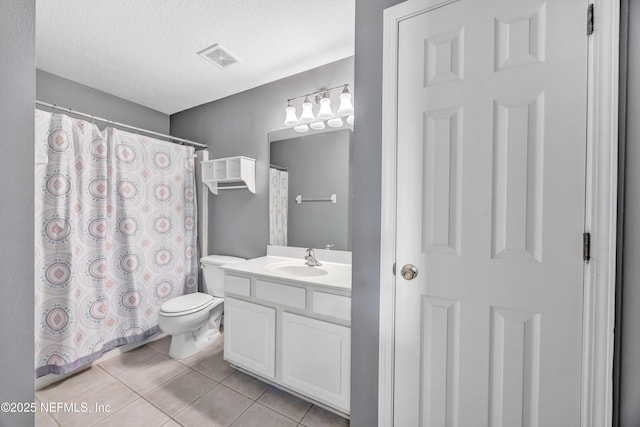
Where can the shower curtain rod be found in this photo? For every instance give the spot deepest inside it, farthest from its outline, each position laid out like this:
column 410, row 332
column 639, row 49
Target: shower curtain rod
column 280, row 168
column 121, row 125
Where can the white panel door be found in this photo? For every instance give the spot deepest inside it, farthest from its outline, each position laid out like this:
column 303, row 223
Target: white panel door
column 316, row 359
column 250, row 336
column 490, row 209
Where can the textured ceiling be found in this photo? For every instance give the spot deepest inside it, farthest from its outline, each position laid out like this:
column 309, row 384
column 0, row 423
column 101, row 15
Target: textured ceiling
column 145, row 50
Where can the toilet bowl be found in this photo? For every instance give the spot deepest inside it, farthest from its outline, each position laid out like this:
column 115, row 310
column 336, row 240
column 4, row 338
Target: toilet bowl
column 193, row 320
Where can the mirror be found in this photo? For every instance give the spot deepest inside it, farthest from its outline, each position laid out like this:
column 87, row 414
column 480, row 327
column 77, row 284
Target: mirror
column 310, row 189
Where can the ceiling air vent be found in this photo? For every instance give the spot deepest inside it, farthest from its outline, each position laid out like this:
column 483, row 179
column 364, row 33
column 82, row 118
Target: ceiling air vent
column 218, row 55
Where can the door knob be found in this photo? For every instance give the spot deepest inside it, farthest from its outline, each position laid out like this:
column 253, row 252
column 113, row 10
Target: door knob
column 409, row 272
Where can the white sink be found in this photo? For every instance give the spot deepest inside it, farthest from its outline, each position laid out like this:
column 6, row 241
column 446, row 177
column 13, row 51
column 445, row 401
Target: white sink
column 330, row 273
column 296, row 269
column 300, row 270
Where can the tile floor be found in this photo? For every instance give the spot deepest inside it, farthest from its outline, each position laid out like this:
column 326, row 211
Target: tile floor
column 145, row 387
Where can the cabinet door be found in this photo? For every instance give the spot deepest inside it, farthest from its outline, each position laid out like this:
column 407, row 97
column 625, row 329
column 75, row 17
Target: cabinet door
column 316, row 359
column 250, row 336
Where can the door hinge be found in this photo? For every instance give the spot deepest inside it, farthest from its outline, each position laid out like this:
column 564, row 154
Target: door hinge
column 586, row 246
column 590, row 19
column 394, row 268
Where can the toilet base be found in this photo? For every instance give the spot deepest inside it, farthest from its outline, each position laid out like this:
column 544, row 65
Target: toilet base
column 190, row 342
column 185, row 345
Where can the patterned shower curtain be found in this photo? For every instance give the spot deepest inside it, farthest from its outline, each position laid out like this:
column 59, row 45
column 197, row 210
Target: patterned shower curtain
column 115, row 221
column 278, row 206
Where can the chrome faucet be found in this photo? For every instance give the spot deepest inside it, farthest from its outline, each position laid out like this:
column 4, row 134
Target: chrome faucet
column 310, row 258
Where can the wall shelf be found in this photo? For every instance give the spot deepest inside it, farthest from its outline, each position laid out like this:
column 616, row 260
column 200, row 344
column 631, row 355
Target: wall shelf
column 222, row 174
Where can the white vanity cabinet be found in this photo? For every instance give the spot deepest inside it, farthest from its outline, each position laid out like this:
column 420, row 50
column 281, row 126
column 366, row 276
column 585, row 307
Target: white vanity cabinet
column 293, row 334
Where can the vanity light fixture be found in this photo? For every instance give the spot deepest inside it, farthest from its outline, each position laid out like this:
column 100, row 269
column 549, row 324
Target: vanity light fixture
column 317, row 125
column 307, row 112
column 346, row 107
column 291, row 119
column 336, row 122
column 325, row 107
column 325, row 114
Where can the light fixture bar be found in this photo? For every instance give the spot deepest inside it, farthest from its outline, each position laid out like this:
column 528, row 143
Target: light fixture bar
column 318, row 92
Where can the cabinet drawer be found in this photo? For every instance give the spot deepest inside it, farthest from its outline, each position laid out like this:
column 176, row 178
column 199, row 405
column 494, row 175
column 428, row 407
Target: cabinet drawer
column 332, row 305
column 291, row 296
column 237, row 285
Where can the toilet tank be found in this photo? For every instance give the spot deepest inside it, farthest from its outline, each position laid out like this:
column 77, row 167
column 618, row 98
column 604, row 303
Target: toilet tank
column 213, row 275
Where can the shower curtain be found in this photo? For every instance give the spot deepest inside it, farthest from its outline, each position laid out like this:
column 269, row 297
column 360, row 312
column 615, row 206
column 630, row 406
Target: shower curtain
column 115, row 217
column 278, row 206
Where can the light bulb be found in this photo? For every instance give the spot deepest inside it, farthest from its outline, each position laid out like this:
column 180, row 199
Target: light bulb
column 317, row 125
column 350, row 119
column 301, row 128
column 336, row 122
column 307, row 112
column 325, row 107
column 346, row 107
column 291, row 119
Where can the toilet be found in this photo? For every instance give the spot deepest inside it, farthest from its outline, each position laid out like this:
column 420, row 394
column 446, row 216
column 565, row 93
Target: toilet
column 193, row 320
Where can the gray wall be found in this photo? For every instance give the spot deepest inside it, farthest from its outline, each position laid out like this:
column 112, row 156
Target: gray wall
column 627, row 394
column 318, row 166
column 17, row 92
column 366, row 212
column 67, row 93
column 238, row 125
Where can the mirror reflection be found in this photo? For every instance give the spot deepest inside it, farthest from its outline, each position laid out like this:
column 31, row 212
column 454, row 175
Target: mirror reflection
column 310, row 189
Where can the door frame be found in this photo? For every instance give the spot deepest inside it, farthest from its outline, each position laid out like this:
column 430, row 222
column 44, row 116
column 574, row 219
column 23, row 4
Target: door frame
column 600, row 209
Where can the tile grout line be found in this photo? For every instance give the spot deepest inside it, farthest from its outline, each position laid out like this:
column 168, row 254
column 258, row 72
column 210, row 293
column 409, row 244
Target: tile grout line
column 188, row 368
column 234, row 371
column 46, row 413
column 242, row 394
column 192, row 367
column 156, row 350
column 190, row 403
column 151, row 403
column 199, row 398
column 105, row 418
column 123, row 384
column 167, row 355
column 238, row 417
column 256, row 402
column 306, row 413
column 133, row 391
column 280, row 413
column 159, row 385
column 117, row 379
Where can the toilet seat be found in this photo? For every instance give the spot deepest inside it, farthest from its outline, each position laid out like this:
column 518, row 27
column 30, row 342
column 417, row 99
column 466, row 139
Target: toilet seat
column 187, row 304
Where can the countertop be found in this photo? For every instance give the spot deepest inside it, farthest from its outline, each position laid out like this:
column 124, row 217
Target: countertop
column 338, row 274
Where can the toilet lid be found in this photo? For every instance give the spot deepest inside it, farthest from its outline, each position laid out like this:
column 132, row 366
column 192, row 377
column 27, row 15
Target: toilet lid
column 189, row 302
